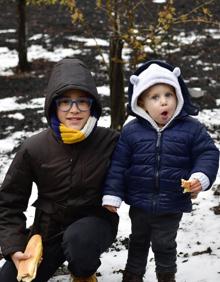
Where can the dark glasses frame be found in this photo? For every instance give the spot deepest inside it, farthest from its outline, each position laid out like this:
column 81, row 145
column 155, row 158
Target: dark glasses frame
column 74, row 101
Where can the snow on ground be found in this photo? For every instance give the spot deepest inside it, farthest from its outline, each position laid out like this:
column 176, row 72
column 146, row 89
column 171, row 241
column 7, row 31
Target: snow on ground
column 199, row 230
column 199, row 233
column 9, row 58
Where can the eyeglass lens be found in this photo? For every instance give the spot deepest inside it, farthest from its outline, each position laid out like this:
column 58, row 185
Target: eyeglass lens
column 82, row 104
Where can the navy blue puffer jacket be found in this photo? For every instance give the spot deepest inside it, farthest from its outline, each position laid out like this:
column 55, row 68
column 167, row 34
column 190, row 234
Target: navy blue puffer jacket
column 147, row 165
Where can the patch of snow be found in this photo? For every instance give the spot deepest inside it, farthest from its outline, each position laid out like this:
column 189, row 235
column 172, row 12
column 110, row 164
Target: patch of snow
column 18, row 116
column 104, row 90
column 7, row 30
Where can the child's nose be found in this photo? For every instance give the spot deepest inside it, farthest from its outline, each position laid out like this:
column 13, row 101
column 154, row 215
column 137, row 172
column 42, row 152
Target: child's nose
column 74, row 108
column 163, row 100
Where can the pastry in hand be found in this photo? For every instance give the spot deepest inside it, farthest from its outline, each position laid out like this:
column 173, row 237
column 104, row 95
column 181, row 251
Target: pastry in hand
column 27, row 269
column 185, row 184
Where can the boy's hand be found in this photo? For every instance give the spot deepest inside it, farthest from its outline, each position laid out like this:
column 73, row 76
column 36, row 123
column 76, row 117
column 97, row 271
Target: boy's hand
column 110, row 208
column 17, row 257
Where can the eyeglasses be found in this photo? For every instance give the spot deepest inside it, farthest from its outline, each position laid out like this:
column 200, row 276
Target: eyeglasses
column 65, row 104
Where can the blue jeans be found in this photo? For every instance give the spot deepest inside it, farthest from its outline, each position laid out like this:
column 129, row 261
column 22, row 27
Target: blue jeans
column 81, row 246
column 157, row 231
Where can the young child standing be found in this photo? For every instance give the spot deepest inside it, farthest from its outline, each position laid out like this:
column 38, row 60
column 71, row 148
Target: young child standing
column 157, row 149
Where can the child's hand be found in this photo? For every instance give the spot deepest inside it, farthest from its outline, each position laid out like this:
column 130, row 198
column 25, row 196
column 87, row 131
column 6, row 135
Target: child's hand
column 195, row 188
column 192, row 186
column 110, row 208
column 17, row 257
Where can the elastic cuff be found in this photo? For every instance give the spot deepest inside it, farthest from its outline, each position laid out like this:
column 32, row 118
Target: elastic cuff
column 109, row 200
column 203, row 179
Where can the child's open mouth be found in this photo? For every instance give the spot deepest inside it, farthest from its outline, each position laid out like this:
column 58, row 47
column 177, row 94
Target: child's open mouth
column 165, row 113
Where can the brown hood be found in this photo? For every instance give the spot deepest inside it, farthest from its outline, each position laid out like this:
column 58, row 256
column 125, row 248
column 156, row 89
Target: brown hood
column 70, row 74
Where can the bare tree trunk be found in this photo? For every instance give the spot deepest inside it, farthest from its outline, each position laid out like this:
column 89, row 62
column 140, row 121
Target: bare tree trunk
column 117, row 84
column 23, row 64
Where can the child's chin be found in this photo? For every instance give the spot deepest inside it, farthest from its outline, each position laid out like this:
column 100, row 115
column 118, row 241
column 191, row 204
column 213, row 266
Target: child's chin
column 75, row 126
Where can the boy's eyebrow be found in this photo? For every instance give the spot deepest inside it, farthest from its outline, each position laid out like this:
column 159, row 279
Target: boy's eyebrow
column 75, row 98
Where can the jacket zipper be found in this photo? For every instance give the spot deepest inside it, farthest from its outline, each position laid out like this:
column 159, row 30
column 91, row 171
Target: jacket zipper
column 158, row 160
column 157, row 174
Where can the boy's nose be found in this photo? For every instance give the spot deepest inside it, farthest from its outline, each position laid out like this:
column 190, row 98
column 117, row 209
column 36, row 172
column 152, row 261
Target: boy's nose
column 74, row 108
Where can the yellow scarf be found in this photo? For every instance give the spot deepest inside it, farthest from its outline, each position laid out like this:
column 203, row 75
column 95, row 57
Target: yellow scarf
column 70, row 136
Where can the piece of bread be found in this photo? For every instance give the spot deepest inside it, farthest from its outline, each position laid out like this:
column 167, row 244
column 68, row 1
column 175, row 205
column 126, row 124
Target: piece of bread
column 27, row 269
column 186, row 185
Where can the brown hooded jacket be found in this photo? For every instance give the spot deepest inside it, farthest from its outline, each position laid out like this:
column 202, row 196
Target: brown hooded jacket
column 68, row 177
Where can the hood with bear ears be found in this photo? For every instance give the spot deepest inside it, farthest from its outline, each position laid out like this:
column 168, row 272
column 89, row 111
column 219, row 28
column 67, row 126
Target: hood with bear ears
column 67, row 74
column 188, row 106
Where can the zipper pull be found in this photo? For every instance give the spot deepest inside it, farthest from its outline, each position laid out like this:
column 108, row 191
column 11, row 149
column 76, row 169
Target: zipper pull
column 158, row 139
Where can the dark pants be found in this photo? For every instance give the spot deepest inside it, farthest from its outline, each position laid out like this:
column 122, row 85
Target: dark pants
column 81, row 246
column 160, row 232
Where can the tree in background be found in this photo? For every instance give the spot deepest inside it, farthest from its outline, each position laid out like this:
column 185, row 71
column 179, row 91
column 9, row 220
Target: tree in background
column 137, row 33
column 23, row 64
column 128, row 26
